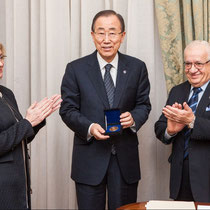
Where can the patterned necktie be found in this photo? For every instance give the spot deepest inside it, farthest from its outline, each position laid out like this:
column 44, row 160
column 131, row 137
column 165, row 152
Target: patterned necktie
column 109, row 84
column 192, row 103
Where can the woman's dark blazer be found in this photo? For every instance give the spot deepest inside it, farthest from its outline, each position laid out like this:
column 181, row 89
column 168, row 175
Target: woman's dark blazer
column 15, row 133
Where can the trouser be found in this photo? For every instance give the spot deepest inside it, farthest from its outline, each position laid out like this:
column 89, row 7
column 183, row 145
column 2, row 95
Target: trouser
column 118, row 191
column 185, row 192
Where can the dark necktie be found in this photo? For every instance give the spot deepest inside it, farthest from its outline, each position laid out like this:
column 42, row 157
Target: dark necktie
column 109, row 84
column 192, row 103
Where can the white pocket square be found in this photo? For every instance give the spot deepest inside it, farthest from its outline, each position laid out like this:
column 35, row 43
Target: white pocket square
column 207, row 108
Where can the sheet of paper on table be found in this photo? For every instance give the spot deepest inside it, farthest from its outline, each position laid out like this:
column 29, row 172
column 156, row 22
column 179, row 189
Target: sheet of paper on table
column 200, row 207
column 155, row 204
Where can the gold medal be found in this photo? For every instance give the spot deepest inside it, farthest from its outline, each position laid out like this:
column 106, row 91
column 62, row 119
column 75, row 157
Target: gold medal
column 113, row 128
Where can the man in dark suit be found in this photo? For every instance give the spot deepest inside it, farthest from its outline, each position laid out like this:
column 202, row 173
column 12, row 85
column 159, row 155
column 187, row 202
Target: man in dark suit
column 103, row 161
column 185, row 123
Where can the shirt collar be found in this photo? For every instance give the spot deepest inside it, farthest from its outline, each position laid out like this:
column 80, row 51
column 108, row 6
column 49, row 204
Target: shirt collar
column 103, row 63
column 203, row 87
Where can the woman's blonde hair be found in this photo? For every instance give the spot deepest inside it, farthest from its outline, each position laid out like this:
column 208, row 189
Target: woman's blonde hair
column 2, row 49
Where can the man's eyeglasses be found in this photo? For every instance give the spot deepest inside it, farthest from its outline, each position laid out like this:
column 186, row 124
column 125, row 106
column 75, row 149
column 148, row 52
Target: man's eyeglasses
column 2, row 57
column 111, row 35
column 198, row 65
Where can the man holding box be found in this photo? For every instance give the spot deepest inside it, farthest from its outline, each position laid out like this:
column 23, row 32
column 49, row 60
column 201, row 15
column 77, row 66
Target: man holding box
column 97, row 87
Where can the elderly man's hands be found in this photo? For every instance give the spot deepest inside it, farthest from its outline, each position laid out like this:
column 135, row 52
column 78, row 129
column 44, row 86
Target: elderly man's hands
column 178, row 117
column 98, row 132
column 38, row 111
column 126, row 120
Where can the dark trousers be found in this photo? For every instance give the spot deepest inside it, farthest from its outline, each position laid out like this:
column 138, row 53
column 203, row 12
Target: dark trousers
column 185, row 193
column 118, row 191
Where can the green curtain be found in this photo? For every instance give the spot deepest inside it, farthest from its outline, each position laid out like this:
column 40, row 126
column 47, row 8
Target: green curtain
column 180, row 22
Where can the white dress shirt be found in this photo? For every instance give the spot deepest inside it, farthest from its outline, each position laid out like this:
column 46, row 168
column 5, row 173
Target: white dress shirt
column 113, row 70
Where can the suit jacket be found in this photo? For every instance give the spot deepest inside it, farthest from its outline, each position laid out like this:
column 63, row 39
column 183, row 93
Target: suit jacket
column 84, row 101
column 199, row 146
column 13, row 168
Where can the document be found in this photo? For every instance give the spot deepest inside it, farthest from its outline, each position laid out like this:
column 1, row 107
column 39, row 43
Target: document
column 155, row 204
column 200, row 207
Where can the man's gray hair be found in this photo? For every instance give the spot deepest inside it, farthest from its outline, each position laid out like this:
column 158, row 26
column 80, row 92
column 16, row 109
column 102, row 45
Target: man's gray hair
column 199, row 43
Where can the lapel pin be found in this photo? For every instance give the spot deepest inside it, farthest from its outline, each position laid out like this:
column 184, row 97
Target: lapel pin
column 124, row 71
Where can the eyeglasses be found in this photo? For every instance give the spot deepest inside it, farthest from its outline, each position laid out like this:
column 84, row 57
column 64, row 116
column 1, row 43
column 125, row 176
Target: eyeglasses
column 111, row 35
column 2, row 57
column 198, row 65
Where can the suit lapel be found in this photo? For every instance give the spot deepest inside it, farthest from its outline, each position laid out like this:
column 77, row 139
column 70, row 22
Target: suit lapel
column 95, row 76
column 122, row 76
column 205, row 101
column 12, row 108
column 186, row 92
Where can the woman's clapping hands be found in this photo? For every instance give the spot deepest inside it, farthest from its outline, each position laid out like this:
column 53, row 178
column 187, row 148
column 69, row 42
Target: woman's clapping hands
column 38, row 111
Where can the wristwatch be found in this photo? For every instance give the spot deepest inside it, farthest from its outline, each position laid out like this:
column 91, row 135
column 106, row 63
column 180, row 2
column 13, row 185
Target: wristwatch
column 191, row 124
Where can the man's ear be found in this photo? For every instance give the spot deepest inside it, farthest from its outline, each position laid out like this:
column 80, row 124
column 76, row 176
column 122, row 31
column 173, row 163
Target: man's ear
column 123, row 36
